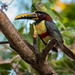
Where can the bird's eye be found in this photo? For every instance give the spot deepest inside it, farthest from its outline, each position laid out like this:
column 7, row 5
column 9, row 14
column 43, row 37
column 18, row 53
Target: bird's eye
column 38, row 14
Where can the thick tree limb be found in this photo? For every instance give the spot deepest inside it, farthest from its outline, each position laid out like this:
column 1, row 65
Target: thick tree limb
column 27, row 52
column 35, row 39
column 15, row 39
column 35, row 42
column 46, row 50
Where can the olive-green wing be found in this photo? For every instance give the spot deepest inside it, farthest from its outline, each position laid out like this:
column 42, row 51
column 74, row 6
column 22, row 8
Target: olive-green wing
column 53, row 30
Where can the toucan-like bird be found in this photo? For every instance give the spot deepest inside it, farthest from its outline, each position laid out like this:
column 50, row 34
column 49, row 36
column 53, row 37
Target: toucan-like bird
column 47, row 30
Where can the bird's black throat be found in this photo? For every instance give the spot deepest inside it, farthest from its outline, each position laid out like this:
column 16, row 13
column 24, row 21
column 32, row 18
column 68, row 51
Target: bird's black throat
column 37, row 22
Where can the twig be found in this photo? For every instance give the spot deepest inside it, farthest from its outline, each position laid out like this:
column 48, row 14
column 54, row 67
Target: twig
column 4, row 42
column 61, row 71
column 69, row 35
column 46, row 50
column 17, row 64
column 10, row 2
column 9, row 61
column 17, row 56
column 71, row 70
column 67, row 29
column 14, row 69
column 5, row 6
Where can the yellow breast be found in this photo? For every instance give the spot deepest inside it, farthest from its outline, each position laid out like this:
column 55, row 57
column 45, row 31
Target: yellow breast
column 41, row 28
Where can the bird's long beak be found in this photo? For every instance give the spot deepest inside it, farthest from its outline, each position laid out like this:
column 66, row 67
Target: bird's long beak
column 32, row 16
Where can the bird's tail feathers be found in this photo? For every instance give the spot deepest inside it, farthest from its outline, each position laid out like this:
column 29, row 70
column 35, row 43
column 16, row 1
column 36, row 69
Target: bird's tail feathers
column 67, row 51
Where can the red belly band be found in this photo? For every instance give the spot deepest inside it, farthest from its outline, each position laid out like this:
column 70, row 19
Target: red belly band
column 44, row 35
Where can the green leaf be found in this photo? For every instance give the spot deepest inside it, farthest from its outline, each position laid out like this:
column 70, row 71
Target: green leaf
column 33, row 8
column 27, row 73
column 48, row 5
column 41, row 45
column 53, row 1
column 5, row 66
column 33, row 1
column 28, row 37
column 4, row 69
column 21, row 30
column 31, row 29
column 25, row 67
column 23, row 64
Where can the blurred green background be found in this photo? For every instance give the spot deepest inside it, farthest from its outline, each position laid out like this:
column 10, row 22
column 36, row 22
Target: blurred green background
column 63, row 14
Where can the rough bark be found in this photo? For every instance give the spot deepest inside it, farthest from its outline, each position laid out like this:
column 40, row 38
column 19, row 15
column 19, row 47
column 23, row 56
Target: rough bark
column 27, row 52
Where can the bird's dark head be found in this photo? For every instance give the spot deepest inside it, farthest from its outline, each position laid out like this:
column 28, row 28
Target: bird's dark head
column 38, row 15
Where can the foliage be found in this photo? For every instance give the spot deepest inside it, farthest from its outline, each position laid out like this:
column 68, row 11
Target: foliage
column 65, row 21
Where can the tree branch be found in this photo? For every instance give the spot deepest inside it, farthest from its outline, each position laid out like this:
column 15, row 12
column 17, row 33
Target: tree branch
column 35, row 39
column 10, row 2
column 46, row 50
column 68, row 29
column 71, row 70
column 4, row 42
column 14, row 69
column 9, row 61
column 27, row 52
column 15, row 39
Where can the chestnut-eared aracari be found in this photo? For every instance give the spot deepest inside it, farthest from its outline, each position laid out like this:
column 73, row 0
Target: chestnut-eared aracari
column 47, row 30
